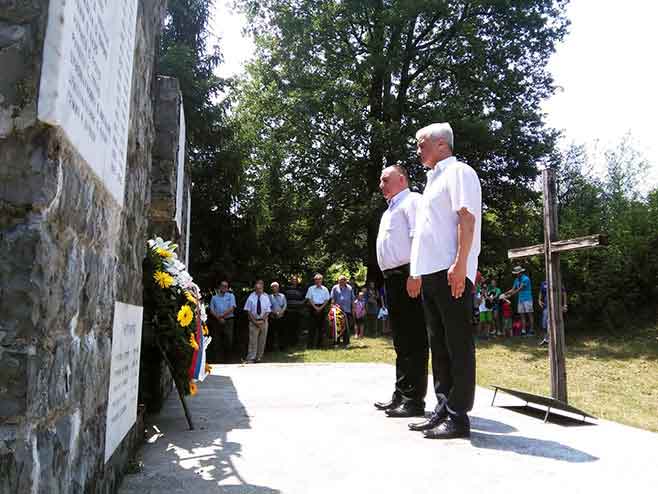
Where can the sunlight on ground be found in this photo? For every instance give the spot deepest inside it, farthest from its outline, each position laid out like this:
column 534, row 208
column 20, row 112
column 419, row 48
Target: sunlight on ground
column 610, row 377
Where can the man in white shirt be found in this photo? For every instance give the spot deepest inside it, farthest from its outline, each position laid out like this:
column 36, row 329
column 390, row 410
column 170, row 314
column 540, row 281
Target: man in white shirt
column 444, row 257
column 258, row 308
column 222, row 307
column 277, row 323
column 318, row 297
column 396, row 231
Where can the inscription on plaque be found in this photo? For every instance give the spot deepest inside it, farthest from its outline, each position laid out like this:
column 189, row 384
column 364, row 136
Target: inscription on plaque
column 86, row 81
column 124, row 374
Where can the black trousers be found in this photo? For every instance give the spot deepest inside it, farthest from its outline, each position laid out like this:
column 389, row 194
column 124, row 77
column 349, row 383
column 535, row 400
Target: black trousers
column 451, row 341
column 349, row 326
column 317, row 327
column 292, row 326
column 275, row 335
column 409, row 339
column 221, row 346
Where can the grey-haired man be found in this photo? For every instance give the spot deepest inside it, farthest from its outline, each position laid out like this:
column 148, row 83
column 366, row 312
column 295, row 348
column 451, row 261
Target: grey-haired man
column 444, row 259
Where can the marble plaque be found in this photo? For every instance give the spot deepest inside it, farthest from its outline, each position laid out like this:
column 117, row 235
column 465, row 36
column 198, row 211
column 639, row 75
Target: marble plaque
column 86, row 81
column 180, row 172
column 124, row 374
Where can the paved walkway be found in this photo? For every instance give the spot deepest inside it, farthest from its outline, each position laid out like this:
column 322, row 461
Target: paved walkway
column 312, row 429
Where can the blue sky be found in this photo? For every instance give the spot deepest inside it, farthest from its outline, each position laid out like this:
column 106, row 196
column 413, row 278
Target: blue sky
column 606, row 70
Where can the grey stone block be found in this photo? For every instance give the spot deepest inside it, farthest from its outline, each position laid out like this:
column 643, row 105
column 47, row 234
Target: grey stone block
column 68, row 252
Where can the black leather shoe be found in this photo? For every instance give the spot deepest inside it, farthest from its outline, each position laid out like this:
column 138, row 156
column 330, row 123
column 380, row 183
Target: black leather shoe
column 388, row 405
column 406, row 410
column 433, row 421
column 450, row 429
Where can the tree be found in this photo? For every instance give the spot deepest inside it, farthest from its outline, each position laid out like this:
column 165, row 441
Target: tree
column 345, row 84
column 616, row 285
column 190, row 53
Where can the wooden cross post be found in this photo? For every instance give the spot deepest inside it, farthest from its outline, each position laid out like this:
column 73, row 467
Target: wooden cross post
column 551, row 249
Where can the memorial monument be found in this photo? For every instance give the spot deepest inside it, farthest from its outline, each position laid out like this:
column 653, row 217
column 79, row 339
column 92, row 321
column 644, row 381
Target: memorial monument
column 170, row 177
column 76, row 140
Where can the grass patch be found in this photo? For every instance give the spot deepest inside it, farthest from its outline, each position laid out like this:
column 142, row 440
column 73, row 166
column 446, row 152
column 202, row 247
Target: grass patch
column 611, row 377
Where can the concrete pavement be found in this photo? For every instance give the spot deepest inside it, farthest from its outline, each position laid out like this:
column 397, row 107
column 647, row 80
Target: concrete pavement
column 302, row 428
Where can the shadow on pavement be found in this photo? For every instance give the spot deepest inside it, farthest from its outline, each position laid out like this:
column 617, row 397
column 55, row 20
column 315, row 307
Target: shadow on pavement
column 529, row 446
column 198, row 461
column 487, row 425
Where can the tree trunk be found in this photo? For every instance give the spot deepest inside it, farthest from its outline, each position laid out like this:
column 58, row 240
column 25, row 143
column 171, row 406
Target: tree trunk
column 376, row 147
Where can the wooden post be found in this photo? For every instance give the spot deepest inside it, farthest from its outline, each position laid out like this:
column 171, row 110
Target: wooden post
column 551, row 248
column 554, row 291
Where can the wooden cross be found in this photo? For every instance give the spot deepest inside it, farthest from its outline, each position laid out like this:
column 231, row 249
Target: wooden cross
column 551, row 248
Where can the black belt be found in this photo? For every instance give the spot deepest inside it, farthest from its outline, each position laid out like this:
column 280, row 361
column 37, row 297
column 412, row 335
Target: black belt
column 399, row 271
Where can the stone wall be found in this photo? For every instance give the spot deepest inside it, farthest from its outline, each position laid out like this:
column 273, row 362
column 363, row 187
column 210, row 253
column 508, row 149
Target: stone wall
column 167, row 164
column 67, row 253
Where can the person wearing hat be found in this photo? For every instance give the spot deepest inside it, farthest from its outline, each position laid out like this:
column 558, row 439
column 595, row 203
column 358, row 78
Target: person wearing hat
column 523, row 287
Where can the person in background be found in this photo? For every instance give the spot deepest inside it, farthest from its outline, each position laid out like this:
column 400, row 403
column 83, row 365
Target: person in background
column 354, row 285
column 258, row 309
column 486, row 315
column 372, row 309
column 475, row 296
column 523, row 287
column 317, row 296
column 507, row 314
column 343, row 296
column 222, row 308
column 494, row 296
column 277, row 318
column 382, row 315
column 543, row 303
column 295, row 300
column 359, row 312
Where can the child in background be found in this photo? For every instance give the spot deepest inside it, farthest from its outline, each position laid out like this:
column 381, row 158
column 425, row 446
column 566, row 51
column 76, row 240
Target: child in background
column 486, row 317
column 517, row 325
column 507, row 313
column 359, row 311
column 494, row 296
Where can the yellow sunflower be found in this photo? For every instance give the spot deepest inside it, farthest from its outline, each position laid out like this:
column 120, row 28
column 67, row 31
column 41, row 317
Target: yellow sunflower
column 185, row 316
column 164, row 253
column 205, row 329
column 193, row 342
column 190, row 298
column 193, row 388
column 164, row 280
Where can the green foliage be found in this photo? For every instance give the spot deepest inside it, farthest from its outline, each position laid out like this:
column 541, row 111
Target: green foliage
column 609, row 287
column 615, row 284
column 338, row 90
column 188, row 52
column 286, row 162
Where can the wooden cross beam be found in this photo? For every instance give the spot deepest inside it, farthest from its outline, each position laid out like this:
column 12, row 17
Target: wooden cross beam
column 560, row 246
column 551, row 249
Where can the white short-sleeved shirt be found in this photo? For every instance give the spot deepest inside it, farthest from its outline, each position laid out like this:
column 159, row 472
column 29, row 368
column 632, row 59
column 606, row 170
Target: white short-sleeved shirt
column 317, row 295
column 251, row 305
column 396, row 229
column 451, row 186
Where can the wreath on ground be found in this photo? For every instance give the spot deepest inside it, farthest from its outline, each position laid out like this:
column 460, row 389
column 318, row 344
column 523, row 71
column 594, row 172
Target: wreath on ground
column 173, row 308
